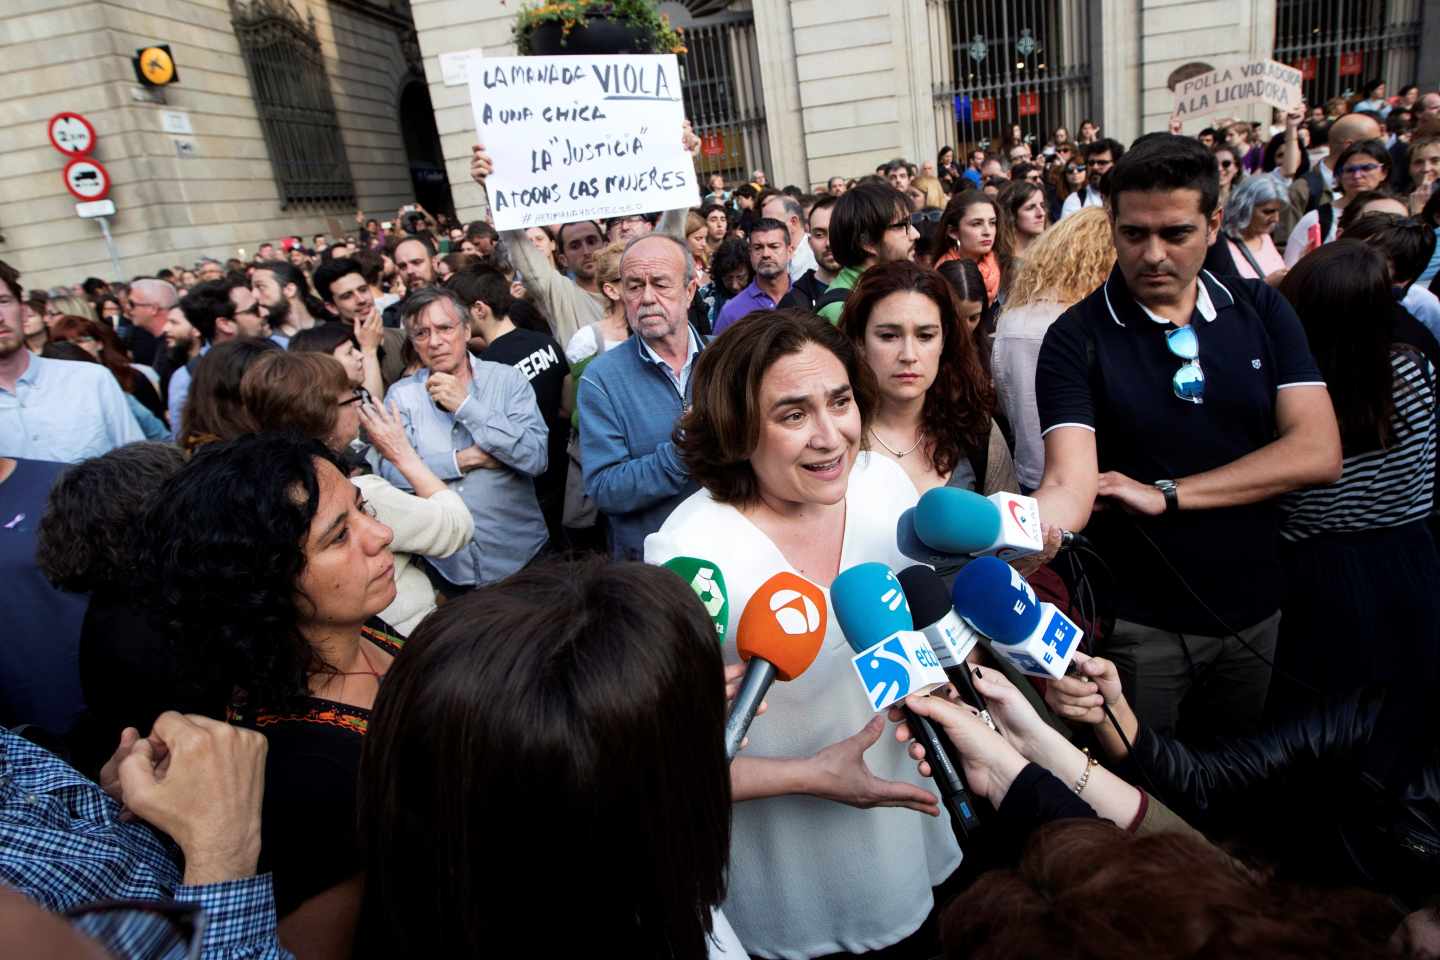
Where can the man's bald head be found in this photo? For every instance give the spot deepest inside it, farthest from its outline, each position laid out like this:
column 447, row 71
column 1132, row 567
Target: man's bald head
column 1351, row 128
column 1430, row 105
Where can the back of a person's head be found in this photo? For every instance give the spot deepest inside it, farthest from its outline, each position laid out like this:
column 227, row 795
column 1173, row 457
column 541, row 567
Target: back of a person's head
column 861, row 216
column 294, row 391
column 222, row 547
column 1368, row 202
column 482, row 284
column 558, row 731
column 66, row 350
column 85, row 538
column 1165, row 162
column 1329, row 288
column 1405, row 241
column 322, row 338
column 1067, row 262
column 1087, row 889
column 213, row 409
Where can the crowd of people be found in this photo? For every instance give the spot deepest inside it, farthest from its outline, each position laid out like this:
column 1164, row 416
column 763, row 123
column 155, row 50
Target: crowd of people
column 340, row 624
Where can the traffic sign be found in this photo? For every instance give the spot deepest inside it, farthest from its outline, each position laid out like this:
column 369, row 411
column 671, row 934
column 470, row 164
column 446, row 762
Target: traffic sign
column 71, row 134
column 154, row 66
column 91, row 209
column 86, row 179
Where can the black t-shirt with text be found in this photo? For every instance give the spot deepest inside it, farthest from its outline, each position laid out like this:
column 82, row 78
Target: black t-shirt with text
column 543, row 362
column 1105, row 366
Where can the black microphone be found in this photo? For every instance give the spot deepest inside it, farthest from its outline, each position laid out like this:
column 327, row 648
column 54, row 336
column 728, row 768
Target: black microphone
column 950, row 637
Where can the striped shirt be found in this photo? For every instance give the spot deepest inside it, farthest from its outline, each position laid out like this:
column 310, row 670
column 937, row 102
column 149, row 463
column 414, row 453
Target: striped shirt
column 1384, row 487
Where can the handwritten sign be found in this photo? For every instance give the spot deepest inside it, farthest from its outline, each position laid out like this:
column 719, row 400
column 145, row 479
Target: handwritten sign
column 578, row 138
column 1257, row 81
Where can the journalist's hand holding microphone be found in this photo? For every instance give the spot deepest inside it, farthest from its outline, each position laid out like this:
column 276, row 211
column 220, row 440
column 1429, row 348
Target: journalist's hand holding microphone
column 1082, row 699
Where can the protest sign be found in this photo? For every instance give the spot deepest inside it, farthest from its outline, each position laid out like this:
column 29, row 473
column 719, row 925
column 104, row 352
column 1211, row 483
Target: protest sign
column 581, row 137
column 1223, row 89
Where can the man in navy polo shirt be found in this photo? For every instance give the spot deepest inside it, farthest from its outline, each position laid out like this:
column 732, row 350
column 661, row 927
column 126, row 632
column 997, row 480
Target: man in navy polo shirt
column 1187, row 405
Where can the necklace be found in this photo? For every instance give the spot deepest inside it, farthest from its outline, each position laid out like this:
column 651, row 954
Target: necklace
column 370, row 670
column 897, row 454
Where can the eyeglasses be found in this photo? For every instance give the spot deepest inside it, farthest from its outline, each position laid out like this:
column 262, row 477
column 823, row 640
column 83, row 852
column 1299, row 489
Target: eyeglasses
column 900, row 225
column 139, row 928
column 1189, row 381
column 1355, row 169
column 360, row 396
column 1078, row 168
column 925, row 216
column 442, row 330
column 1227, row 164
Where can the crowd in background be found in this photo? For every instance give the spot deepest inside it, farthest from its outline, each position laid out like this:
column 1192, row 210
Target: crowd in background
column 246, row 492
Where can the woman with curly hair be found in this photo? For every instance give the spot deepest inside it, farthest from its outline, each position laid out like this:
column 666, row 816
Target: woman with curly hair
column 1061, row 268
column 102, row 343
column 268, row 569
column 934, row 415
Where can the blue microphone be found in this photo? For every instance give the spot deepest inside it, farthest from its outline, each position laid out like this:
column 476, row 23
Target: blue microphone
column 916, row 549
column 1004, row 525
column 893, row 660
column 1034, row 637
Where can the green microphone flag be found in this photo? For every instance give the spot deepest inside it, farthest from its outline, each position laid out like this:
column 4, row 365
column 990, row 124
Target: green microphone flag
column 709, row 585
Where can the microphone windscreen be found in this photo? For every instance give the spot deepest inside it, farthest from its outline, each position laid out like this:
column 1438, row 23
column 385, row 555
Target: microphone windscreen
column 869, row 605
column 910, row 545
column 926, row 593
column 956, row 521
column 708, row 583
column 784, row 623
column 996, row 600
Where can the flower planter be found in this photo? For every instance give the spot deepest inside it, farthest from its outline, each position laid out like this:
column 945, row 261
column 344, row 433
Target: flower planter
column 596, row 35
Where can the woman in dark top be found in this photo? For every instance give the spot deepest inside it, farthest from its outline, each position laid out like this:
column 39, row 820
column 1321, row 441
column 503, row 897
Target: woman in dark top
column 269, row 569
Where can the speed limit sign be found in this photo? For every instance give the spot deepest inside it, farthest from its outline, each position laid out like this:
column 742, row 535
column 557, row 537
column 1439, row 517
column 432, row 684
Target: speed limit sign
column 87, row 179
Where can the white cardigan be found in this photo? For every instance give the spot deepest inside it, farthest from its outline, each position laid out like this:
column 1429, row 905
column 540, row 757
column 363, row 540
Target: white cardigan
column 434, row 526
column 809, row 876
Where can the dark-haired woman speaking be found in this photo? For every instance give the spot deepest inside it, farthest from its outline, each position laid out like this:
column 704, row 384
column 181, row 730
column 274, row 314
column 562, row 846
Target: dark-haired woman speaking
column 781, row 405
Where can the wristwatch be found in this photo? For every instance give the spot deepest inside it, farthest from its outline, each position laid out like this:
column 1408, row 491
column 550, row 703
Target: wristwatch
column 1172, row 494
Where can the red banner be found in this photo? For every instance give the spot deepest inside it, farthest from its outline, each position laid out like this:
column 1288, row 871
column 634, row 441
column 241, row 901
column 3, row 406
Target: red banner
column 1029, row 104
column 982, row 108
column 712, row 144
column 1352, row 64
column 1307, row 67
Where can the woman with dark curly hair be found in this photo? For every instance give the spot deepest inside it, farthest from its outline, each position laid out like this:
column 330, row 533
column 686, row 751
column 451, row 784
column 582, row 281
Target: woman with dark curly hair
column 268, row 569
column 730, row 272
column 104, row 345
column 775, row 438
column 936, row 404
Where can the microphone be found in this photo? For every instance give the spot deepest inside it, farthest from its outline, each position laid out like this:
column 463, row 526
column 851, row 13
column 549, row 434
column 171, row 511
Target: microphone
column 708, row 583
column 780, row 633
column 1035, row 638
column 892, row 661
column 1004, row 525
column 949, row 636
column 913, row 547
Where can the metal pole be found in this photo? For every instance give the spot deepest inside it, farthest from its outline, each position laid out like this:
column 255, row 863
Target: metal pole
column 110, row 246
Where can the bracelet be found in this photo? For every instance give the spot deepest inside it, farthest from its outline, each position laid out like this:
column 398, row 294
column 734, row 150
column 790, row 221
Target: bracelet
column 1090, row 764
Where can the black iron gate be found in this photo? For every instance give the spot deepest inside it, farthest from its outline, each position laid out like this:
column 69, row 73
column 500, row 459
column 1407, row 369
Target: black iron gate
column 1340, row 45
column 1016, row 62
column 724, row 97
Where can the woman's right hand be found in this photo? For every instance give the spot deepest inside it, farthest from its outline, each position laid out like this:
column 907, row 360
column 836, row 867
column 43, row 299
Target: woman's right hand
column 386, row 432
column 839, row 773
column 1421, row 194
column 989, row 761
column 1081, row 699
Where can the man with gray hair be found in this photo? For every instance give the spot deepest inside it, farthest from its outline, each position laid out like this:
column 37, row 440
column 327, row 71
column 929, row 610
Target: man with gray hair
column 631, row 397
column 788, row 211
column 477, row 426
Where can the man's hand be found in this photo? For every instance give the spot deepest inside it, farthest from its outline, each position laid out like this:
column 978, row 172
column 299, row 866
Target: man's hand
column 473, row 458
column 370, row 332
column 1176, row 125
column 689, row 140
column 1050, row 536
column 207, row 797
column 1137, row 497
column 481, row 165
column 446, row 390
column 1421, row 195
column 841, row 775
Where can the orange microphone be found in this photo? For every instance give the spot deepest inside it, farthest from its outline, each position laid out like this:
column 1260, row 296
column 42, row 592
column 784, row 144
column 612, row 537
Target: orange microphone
column 779, row 635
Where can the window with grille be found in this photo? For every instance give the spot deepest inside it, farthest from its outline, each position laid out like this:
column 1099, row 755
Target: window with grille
column 292, row 96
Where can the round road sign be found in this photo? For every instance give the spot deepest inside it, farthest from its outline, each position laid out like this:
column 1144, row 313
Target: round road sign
column 86, row 179
column 71, row 134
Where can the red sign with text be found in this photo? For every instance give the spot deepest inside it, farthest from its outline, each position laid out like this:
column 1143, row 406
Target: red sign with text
column 1352, row 64
column 712, row 144
column 1306, row 66
column 982, row 108
column 1029, row 104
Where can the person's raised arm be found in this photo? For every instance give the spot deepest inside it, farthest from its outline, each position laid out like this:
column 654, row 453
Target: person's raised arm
column 1290, row 162
column 672, row 222
column 1063, row 375
column 370, row 334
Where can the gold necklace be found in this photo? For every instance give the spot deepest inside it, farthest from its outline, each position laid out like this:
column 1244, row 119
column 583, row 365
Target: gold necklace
column 896, row 453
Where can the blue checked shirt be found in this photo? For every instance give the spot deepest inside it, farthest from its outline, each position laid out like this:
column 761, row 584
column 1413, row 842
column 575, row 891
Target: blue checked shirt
column 62, row 845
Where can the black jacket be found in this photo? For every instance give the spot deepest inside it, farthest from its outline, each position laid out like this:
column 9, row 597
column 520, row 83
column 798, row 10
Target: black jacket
column 1347, row 792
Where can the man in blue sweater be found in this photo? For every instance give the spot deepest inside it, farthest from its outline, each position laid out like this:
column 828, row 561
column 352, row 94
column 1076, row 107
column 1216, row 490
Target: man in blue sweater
column 631, row 397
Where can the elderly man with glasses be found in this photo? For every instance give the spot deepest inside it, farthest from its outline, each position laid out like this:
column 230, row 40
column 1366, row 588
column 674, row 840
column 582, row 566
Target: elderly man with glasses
column 476, row 424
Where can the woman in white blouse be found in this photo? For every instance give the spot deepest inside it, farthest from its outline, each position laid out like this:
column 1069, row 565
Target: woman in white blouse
column 775, row 437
